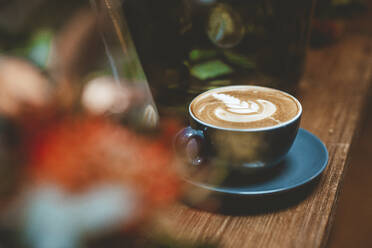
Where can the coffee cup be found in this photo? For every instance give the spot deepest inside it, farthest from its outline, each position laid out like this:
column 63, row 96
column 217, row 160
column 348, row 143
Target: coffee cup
column 242, row 129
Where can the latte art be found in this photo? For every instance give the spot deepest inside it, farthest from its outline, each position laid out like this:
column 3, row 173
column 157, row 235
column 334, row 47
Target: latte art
column 244, row 107
column 243, row 111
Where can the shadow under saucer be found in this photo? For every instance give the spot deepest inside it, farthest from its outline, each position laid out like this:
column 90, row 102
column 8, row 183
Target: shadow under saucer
column 238, row 205
column 284, row 185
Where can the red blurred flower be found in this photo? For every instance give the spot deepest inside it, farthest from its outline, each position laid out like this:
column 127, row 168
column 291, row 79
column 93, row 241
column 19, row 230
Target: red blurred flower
column 80, row 152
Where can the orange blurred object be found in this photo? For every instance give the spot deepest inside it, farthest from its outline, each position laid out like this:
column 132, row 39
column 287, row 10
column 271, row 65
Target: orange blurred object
column 80, row 152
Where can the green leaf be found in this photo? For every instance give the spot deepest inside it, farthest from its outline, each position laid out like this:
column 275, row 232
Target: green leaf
column 199, row 54
column 210, row 69
column 40, row 46
column 240, row 60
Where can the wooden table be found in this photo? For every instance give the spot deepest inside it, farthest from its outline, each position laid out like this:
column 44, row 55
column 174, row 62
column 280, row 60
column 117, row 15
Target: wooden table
column 333, row 93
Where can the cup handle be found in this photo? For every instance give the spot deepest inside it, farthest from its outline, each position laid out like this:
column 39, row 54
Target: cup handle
column 190, row 143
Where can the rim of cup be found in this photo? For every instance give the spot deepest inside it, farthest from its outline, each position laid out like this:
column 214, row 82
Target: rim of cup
column 295, row 118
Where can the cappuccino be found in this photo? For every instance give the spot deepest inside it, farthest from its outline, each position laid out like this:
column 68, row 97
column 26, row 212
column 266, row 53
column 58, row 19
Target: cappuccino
column 245, row 107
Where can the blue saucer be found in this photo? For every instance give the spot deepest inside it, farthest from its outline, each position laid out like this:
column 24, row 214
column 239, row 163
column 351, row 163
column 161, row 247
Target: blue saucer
column 305, row 161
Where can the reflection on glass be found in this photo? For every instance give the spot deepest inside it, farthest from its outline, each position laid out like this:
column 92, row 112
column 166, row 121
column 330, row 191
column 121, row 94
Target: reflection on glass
column 188, row 46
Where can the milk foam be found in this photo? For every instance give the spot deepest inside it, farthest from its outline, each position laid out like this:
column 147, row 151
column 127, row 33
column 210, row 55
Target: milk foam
column 244, row 107
column 243, row 111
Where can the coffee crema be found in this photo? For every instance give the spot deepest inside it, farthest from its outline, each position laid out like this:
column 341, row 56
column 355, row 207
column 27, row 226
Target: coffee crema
column 244, row 107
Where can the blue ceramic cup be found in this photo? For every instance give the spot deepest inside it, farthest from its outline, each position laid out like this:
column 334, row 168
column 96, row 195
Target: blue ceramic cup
column 249, row 150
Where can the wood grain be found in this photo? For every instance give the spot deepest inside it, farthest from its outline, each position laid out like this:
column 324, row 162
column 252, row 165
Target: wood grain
column 333, row 93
